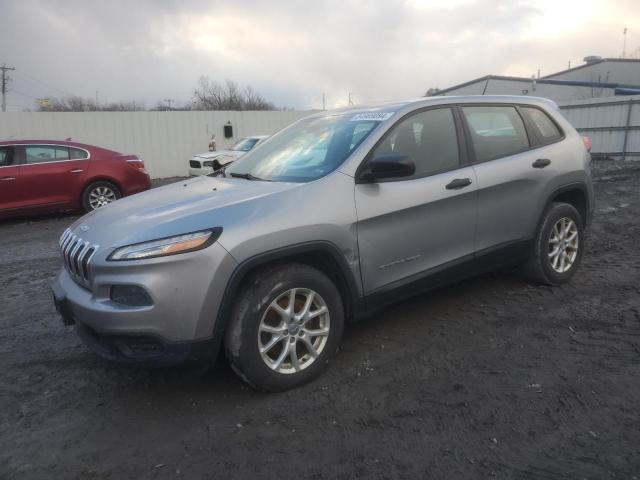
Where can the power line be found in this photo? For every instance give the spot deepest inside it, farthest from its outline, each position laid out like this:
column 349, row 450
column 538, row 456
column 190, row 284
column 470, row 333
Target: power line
column 44, row 84
column 5, row 83
column 13, row 90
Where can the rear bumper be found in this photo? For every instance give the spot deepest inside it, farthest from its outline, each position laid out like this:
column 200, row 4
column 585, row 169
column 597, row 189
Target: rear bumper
column 141, row 183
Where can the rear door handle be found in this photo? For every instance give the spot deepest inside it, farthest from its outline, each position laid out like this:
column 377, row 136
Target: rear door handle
column 7, row 179
column 457, row 183
column 78, row 170
column 541, row 163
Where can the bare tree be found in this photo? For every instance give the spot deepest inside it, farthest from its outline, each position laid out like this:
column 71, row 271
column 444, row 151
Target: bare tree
column 234, row 98
column 74, row 103
column 210, row 95
column 120, row 107
column 254, row 101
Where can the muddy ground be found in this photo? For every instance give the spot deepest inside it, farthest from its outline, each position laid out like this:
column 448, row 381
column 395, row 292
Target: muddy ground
column 492, row 377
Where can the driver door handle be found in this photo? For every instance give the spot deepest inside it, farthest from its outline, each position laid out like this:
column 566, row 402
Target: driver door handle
column 7, row 179
column 458, row 183
column 77, row 170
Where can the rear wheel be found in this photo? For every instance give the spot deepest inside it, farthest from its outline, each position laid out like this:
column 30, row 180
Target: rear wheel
column 558, row 246
column 99, row 194
column 286, row 325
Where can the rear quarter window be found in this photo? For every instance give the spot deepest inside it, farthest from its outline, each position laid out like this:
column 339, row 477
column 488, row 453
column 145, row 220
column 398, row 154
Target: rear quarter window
column 77, row 153
column 543, row 127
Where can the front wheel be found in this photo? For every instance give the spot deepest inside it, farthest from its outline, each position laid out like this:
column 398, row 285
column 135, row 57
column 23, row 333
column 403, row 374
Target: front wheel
column 558, row 246
column 286, row 325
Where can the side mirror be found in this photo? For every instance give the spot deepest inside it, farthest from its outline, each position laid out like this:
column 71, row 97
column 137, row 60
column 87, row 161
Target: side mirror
column 390, row 165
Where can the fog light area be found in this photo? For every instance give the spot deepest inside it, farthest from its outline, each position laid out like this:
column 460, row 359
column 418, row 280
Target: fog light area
column 130, row 296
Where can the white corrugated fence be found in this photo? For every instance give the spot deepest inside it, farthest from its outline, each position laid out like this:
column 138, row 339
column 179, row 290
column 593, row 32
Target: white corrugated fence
column 164, row 140
column 612, row 124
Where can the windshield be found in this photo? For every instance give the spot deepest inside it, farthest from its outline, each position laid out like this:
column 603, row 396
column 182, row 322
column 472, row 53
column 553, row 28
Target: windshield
column 244, row 145
column 305, row 151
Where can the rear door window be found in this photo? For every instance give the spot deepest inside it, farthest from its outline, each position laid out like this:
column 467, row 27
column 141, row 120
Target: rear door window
column 45, row 154
column 6, row 156
column 496, row 131
column 544, row 128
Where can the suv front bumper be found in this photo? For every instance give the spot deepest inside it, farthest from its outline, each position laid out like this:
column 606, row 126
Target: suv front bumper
column 196, row 172
column 186, row 291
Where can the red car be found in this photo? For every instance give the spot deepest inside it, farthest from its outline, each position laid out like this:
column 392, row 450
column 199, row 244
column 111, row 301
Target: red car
column 38, row 176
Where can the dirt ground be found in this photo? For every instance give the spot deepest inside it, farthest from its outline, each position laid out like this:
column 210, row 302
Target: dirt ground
column 492, row 377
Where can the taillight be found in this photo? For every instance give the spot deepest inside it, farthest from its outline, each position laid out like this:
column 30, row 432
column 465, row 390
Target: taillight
column 587, row 143
column 136, row 163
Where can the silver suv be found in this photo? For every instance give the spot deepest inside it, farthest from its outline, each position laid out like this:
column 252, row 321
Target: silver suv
column 332, row 218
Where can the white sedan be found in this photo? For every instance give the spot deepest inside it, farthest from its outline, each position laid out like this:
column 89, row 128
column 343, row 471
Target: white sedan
column 205, row 163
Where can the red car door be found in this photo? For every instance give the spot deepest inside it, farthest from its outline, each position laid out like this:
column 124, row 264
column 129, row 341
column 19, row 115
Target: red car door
column 50, row 177
column 10, row 180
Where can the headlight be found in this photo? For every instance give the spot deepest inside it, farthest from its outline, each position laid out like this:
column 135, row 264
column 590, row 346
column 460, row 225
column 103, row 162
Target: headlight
column 188, row 242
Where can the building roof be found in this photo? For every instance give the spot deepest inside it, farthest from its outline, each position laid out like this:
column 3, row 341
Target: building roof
column 544, row 81
column 596, row 62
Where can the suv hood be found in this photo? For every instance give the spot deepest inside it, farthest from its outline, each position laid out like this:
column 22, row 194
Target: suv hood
column 182, row 207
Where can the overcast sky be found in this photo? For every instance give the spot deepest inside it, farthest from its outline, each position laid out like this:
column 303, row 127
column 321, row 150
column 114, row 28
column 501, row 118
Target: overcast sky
column 293, row 51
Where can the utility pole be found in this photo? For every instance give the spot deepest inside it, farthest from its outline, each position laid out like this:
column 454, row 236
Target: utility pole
column 350, row 102
column 5, row 84
column 624, row 42
column 168, row 100
column 323, row 102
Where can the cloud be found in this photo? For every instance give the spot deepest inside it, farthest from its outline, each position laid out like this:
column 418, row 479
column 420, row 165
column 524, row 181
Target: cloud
column 293, row 51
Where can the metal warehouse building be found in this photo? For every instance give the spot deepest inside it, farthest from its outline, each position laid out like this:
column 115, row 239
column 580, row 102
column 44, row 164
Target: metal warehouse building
column 597, row 78
column 601, row 98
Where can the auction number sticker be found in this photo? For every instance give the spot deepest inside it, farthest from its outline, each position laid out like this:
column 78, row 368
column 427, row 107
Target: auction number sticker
column 374, row 116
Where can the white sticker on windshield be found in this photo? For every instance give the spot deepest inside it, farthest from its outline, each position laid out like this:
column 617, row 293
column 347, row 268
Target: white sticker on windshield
column 374, row 116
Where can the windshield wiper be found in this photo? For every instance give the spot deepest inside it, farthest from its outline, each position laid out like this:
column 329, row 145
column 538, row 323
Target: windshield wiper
column 248, row 176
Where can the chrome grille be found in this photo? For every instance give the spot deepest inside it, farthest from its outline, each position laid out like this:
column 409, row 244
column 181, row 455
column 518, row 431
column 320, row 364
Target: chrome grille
column 76, row 254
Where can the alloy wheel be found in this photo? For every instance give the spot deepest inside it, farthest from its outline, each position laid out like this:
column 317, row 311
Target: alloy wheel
column 563, row 244
column 294, row 330
column 101, row 196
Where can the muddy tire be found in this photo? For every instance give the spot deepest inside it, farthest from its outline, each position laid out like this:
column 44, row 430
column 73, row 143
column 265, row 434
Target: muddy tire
column 557, row 247
column 286, row 325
